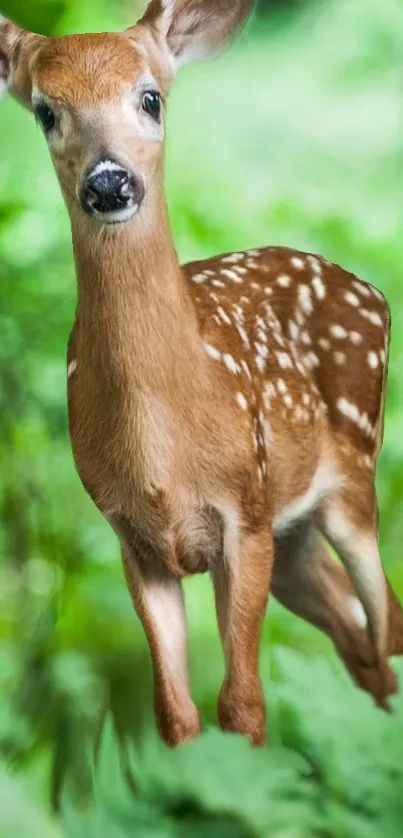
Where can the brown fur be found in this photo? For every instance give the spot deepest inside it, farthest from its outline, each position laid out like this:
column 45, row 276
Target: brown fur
column 204, row 402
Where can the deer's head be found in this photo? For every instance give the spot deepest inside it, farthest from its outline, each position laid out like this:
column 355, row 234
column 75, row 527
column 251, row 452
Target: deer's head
column 100, row 99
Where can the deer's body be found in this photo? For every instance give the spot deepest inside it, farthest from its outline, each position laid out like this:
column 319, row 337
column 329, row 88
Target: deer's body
column 270, row 339
column 225, row 416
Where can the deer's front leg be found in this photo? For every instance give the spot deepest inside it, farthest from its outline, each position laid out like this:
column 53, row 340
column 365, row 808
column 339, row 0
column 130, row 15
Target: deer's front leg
column 242, row 585
column 158, row 599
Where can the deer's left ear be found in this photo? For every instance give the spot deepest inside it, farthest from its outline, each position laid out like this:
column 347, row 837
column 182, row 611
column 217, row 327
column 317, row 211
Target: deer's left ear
column 196, row 29
column 14, row 64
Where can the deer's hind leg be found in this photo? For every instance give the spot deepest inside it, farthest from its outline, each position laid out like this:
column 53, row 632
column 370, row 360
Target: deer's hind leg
column 348, row 519
column 311, row 584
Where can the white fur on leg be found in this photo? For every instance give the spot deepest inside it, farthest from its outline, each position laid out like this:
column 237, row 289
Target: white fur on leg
column 357, row 612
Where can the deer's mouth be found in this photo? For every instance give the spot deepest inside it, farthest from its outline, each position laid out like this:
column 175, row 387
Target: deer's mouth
column 119, row 216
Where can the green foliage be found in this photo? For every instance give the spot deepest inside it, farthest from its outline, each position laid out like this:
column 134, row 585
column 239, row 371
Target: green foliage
column 294, row 138
column 335, row 772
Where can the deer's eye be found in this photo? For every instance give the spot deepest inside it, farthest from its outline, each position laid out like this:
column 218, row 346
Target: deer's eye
column 46, row 117
column 152, row 104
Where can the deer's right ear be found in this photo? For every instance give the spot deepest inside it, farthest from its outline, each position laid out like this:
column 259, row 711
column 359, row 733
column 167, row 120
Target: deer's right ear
column 14, row 73
column 195, row 29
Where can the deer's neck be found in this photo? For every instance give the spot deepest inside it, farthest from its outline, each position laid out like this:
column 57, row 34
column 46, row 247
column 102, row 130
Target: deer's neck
column 136, row 321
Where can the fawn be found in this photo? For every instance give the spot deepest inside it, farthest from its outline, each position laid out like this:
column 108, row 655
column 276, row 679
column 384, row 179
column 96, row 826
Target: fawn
column 225, row 416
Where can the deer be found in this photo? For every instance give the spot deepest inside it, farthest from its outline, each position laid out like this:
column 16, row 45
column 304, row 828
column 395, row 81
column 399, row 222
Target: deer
column 226, row 415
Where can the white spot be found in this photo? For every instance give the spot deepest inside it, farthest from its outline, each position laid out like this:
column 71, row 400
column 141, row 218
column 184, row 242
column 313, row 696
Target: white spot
column 324, row 343
column 253, row 266
column 223, row 315
column 339, row 358
column 382, row 356
column 240, row 398
column 355, row 338
column 315, row 263
column 362, row 288
column 348, row 409
column 243, row 335
column 319, row 287
column 338, row 332
column 199, row 278
column 306, row 338
column 373, row 360
column 288, row 400
column 305, row 299
column 293, row 329
column 71, row 368
column 301, row 369
column 351, row 298
column 246, row 370
column 306, row 399
column 270, row 391
column 254, row 253
column 281, row 386
column 311, row 360
column 297, row 263
column 372, row 316
column 284, row 280
column 260, row 363
column 261, row 349
column 357, row 612
column 377, row 294
column 230, row 363
column 213, row 352
column 218, row 283
column 284, row 360
column 233, row 258
column 352, row 412
column 231, row 275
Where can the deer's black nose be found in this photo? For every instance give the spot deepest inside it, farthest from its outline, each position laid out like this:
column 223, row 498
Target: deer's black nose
column 110, row 189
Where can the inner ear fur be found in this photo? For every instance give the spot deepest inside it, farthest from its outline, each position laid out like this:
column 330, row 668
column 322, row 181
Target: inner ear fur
column 196, row 29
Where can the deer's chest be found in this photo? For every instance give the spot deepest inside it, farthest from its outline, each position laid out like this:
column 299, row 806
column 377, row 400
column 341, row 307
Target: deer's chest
column 123, row 449
column 134, row 464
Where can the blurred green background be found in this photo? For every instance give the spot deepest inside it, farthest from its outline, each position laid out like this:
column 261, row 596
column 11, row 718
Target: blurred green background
column 294, row 137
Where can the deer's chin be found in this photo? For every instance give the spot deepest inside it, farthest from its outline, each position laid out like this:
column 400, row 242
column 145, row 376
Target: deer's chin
column 115, row 217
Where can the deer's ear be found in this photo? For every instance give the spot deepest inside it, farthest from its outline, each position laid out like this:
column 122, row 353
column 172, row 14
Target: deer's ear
column 14, row 71
column 196, row 29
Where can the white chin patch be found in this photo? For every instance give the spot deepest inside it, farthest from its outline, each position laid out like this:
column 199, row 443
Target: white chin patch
column 117, row 216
